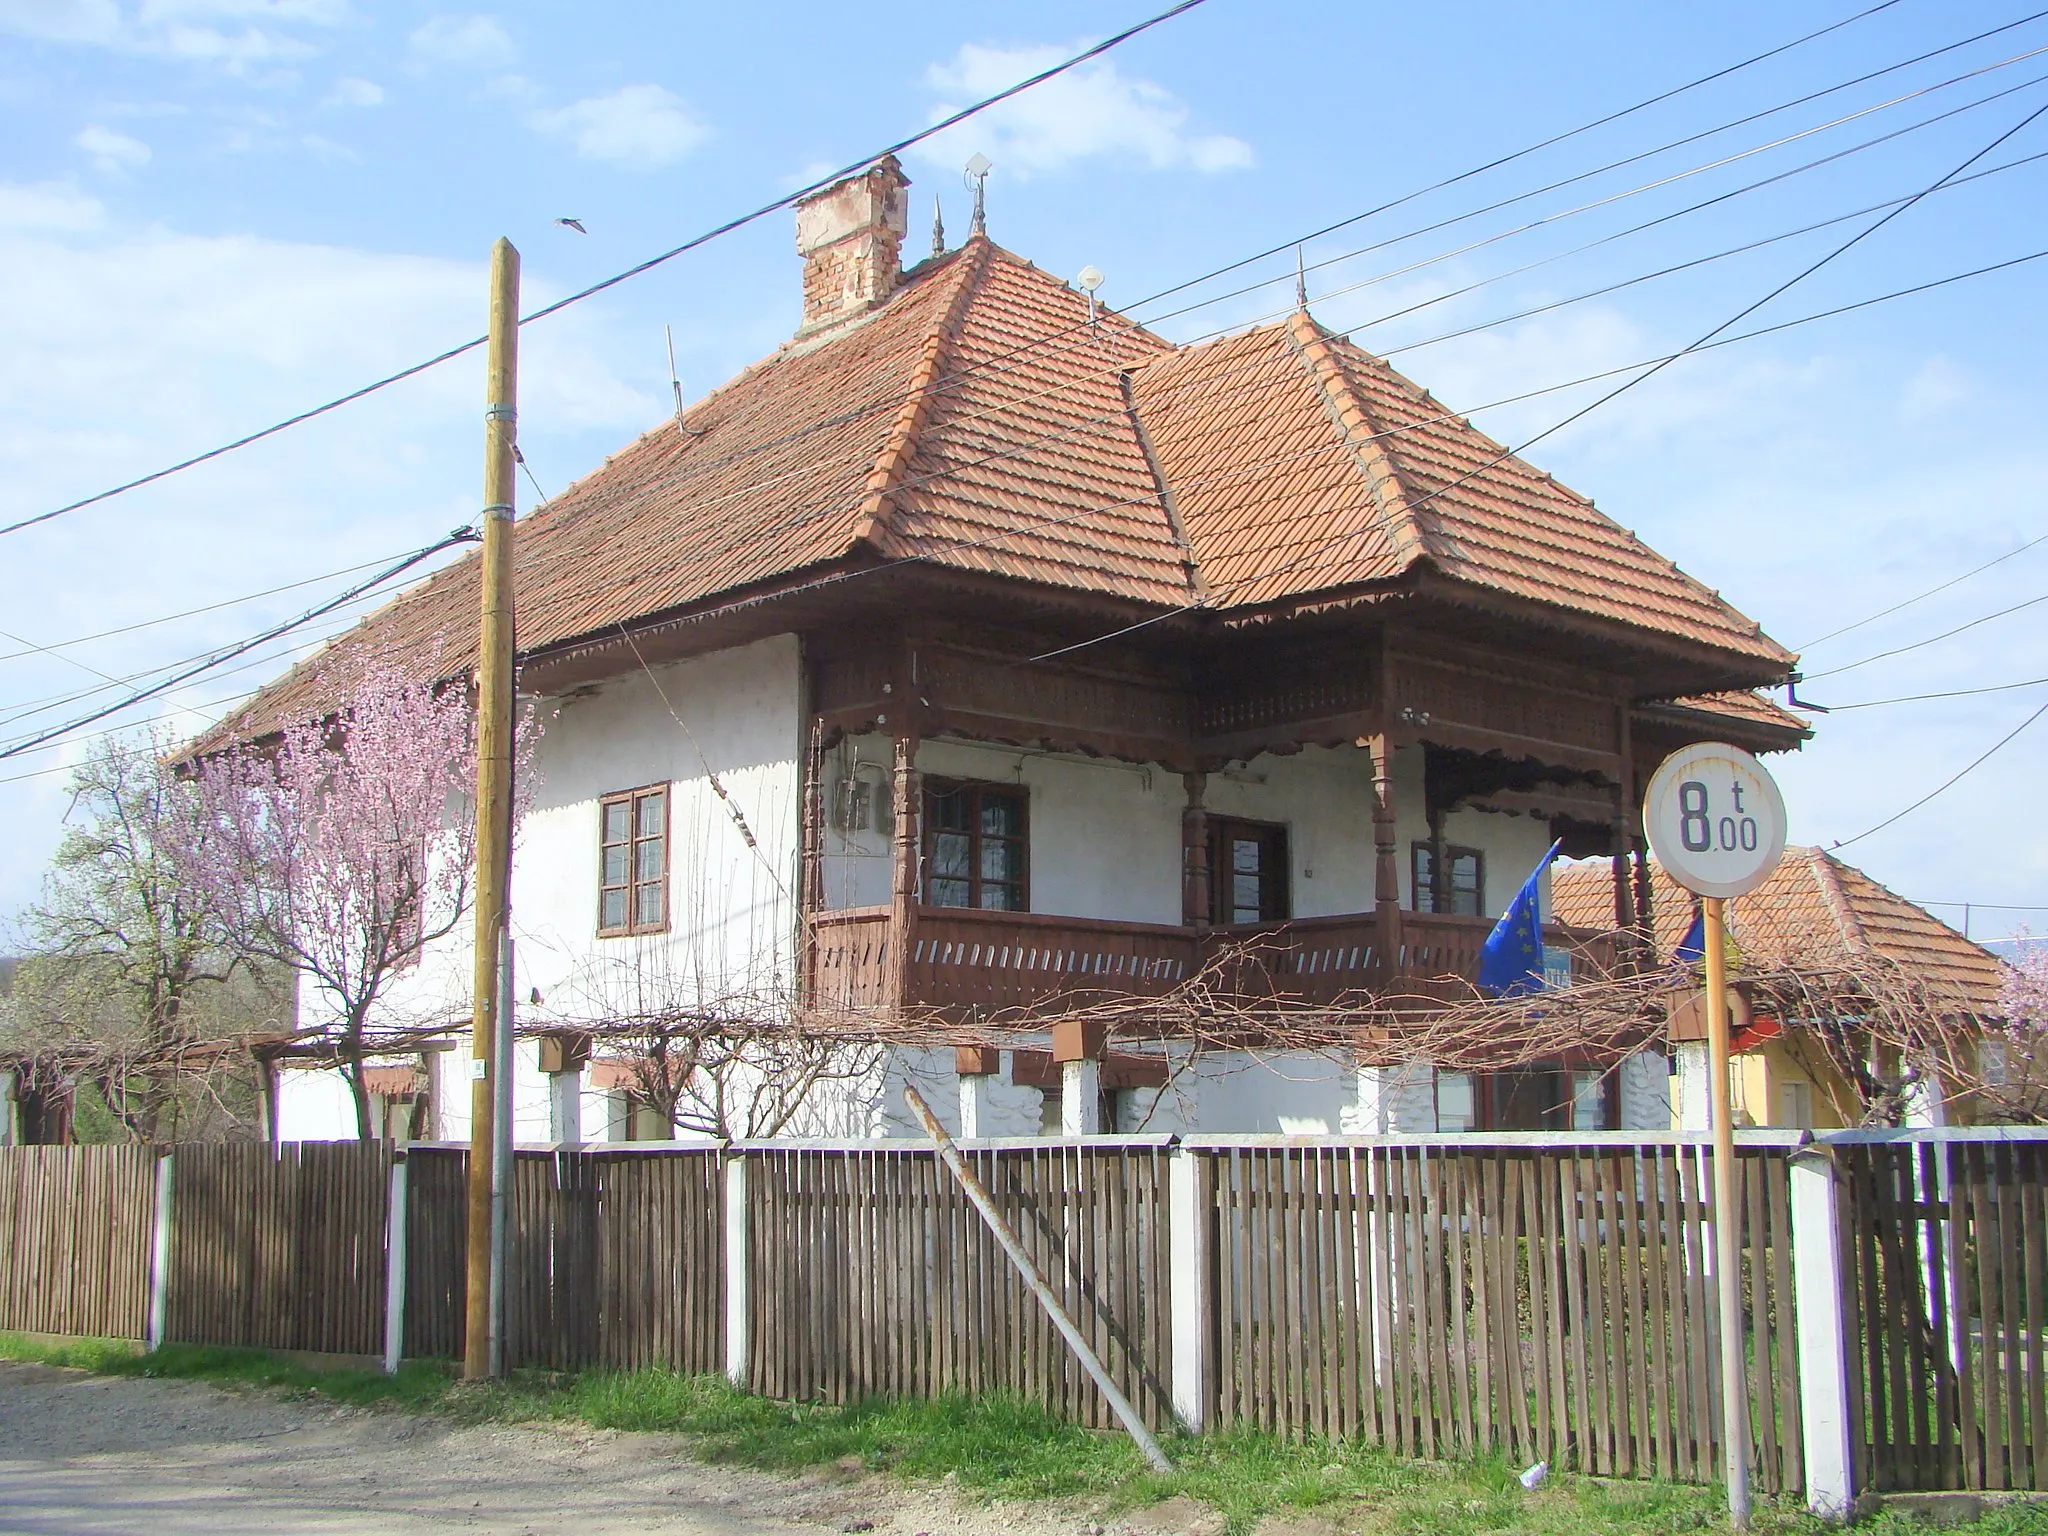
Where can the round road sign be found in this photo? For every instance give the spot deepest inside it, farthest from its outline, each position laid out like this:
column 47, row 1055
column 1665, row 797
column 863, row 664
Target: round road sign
column 1715, row 819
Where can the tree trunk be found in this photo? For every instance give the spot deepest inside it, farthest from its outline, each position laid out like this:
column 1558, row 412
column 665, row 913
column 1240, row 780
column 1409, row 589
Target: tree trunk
column 352, row 1072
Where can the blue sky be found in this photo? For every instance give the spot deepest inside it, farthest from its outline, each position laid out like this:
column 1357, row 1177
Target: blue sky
column 215, row 212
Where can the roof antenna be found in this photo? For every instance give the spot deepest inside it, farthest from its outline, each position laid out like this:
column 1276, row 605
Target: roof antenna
column 1300, row 281
column 676, row 384
column 938, row 228
column 1090, row 280
column 977, row 177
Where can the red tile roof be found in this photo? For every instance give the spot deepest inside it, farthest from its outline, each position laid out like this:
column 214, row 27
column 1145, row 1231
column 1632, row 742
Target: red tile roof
column 978, row 421
column 1814, row 908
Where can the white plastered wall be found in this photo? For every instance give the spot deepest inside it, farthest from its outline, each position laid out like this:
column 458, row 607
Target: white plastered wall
column 736, row 714
column 1105, row 836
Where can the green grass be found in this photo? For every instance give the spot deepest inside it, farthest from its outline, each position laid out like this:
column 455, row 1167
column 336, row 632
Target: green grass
column 1000, row 1448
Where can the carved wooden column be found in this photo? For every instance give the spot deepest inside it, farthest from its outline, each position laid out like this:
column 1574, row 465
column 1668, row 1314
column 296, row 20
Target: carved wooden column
column 1196, row 901
column 1386, row 880
column 810, row 898
column 908, row 841
column 1621, row 837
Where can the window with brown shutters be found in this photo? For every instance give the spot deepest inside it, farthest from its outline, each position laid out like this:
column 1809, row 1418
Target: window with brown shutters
column 976, row 846
column 632, row 879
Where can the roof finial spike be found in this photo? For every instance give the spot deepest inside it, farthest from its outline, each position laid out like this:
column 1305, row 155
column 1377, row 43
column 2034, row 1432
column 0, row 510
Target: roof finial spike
column 1300, row 281
column 938, row 227
column 977, row 177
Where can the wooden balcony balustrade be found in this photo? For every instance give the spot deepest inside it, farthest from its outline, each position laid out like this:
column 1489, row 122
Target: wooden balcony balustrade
column 1004, row 961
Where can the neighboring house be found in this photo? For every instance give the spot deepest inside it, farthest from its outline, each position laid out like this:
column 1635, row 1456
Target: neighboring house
column 1815, row 911
column 975, row 642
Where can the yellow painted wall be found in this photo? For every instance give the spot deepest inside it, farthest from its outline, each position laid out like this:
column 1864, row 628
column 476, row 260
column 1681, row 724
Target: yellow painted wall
column 1758, row 1078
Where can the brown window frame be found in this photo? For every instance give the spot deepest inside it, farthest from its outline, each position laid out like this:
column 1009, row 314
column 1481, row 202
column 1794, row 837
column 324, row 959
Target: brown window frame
column 979, row 788
column 1276, row 883
column 631, row 798
column 1436, row 888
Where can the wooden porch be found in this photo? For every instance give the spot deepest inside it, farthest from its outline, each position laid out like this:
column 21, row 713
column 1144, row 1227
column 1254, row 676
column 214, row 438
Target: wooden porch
column 991, row 962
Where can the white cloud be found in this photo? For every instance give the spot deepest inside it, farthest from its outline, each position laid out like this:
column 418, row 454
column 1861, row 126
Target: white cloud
column 49, row 205
column 351, row 91
column 179, row 29
column 462, row 41
column 645, row 126
column 326, row 150
column 112, row 154
column 1093, row 110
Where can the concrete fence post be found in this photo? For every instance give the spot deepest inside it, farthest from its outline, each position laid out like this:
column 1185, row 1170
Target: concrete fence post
column 1187, row 1228
column 160, row 1256
column 395, row 1265
column 738, row 1356
column 1821, row 1306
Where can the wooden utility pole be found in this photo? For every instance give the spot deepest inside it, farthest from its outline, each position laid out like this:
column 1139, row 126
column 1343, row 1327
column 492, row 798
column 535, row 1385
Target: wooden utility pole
column 1727, row 1217
column 493, row 790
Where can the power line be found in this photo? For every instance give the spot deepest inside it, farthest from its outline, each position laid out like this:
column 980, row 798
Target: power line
column 1628, row 384
column 617, row 278
column 15, row 749
column 1952, row 693
column 961, row 116
column 1885, row 613
column 1613, row 165
column 170, row 618
column 1947, row 634
column 1000, row 535
column 1946, row 784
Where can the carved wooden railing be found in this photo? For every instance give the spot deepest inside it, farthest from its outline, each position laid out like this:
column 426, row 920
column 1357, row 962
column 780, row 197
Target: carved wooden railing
column 962, row 957
column 847, row 952
column 997, row 961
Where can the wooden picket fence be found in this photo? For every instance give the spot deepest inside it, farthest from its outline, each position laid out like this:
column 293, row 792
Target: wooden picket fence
column 76, row 1225
column 1555, row 1305
column 871, row 1275
column 1945, row 1247
column 616, row 1258
column 1549, row 1298
column 279, row 1247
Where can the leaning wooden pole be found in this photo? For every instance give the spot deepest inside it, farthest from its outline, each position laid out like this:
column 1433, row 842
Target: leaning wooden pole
column 986, row 1205
column 1727, row 1218
column 493, row 788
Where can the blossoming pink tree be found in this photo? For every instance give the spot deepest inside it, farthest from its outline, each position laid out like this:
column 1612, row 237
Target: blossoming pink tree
column 343, row 848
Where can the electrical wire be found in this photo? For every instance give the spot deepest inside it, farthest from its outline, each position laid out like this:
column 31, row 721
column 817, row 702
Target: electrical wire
column 16, row 748
column 189, row 613
column 631, row 272
column 1947, row 634
column 1945, row 785
column 998, row 536
column 961, row 116
column 1885, row 613
column 1613, row 165
column 1952, row 693
column 1316, row 550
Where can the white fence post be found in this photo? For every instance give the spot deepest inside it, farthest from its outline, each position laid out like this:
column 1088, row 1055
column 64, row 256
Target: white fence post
column 1820, row 1305
column 160, row 1256
column 737, row 1352
column 395, row 1267
column 1188, row 1284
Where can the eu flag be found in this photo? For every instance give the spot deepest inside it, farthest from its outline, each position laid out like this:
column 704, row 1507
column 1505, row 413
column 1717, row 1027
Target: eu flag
column 1692, row 949
column 1511, row 959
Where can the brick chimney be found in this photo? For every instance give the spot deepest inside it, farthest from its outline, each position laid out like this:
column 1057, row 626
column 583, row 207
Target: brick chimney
column 851, row 239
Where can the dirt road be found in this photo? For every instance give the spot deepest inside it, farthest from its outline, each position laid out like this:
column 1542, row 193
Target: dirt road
column 84, row 1455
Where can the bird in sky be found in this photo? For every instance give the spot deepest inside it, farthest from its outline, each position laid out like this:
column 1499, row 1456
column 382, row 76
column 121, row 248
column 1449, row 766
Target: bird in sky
column 575, row 224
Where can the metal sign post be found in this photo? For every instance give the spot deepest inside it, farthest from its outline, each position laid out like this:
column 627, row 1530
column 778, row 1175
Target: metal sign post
column 1716, row 822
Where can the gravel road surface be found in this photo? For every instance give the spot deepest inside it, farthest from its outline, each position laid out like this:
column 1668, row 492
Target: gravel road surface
column 84, row 1455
